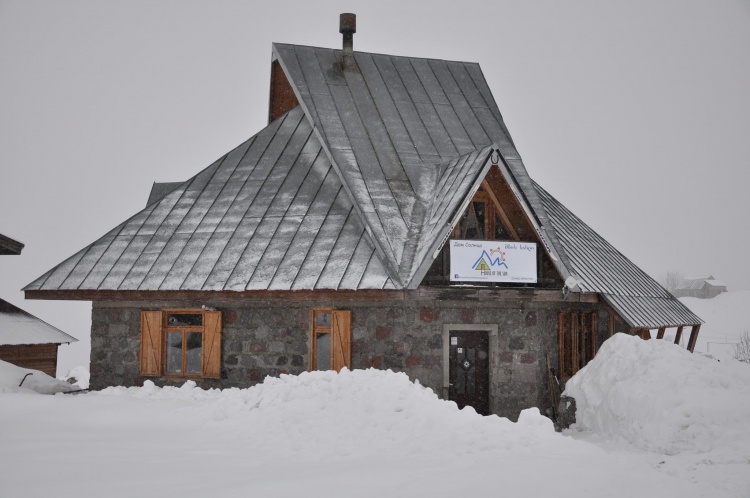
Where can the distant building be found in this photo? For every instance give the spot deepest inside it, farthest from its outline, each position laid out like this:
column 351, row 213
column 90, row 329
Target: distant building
column 702, row 287
column 384, row 219
column 25, row 340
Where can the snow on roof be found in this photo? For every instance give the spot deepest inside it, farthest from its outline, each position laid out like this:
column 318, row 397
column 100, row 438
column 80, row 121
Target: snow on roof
column 20, row 327
column 716, row 283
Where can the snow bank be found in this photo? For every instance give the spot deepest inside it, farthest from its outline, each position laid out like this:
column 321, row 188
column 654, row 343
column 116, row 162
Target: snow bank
column 360, row 412
column 367, row 434
column 38, row 382
column 661, row 398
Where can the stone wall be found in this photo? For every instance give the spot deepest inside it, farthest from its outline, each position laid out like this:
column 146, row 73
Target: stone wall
column 261, row 338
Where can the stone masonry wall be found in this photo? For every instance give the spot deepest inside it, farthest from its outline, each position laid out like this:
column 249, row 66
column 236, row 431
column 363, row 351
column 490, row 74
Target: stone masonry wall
column 271, row 338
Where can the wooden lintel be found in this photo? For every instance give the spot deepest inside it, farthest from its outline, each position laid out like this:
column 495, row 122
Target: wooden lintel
column 678, row 335
column 660, row 334
column 693, row 337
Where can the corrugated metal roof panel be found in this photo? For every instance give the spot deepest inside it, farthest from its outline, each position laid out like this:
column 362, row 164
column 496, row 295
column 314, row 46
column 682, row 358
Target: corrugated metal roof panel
column 638, row 298
column 271, row 214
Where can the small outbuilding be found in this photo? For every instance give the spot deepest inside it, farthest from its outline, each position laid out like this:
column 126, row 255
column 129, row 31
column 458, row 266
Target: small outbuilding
column 700, row 287
column 25, row 340
column 384, row 219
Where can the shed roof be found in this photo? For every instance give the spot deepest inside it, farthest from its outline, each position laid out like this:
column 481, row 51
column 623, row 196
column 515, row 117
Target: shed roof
column 601, row 268
column 20, row 327
column 9, row 246
column 356, row 188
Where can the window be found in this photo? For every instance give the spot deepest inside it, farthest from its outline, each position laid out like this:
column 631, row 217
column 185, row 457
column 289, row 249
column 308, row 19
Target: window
column 181, row 343
column 481, row 221
column 331, row 340
column 577, row 341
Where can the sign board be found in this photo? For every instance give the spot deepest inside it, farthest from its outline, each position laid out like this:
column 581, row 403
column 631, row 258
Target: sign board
column 493, row 261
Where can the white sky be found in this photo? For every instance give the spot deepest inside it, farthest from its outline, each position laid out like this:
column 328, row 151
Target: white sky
column 636, row 115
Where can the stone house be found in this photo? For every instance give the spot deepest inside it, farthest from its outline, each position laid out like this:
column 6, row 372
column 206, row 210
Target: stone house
column 383, row 218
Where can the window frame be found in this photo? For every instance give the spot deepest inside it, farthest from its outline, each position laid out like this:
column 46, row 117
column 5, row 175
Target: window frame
column 154, row 333
column 166, row 328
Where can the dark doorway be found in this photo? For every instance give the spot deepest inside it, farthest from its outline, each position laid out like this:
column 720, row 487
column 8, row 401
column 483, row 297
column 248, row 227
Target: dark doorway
column 469, row 369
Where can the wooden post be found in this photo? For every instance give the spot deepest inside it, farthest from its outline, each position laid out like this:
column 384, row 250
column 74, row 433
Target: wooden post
column 561, row 370
column 660, row 334
column 678, row 335
column 611, row 323
column 594, row 335
column 645, row 334
column 574, row 341
column 693, row 337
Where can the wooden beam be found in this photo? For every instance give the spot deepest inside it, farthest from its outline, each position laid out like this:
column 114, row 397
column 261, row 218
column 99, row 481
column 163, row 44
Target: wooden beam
column 678, row 335
column 693, row 337
column 611, row 323
column 500, row 210
column 660, row 334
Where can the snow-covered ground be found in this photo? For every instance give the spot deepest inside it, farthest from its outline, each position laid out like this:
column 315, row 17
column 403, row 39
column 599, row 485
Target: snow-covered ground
column 727, row 316
column 374, row 433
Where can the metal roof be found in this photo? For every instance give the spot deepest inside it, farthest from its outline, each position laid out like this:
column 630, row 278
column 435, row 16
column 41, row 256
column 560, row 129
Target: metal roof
column 271, row 214
column 10, row 247
column 601, row 268
column 356, row 188
column 392, row 125
column 20, row 327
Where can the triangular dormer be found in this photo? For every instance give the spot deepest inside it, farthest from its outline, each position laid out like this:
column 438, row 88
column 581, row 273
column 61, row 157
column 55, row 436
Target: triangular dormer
column 478, row 199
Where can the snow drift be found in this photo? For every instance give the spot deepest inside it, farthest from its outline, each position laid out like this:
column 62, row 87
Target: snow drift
column 661, row 398
column 352, row 413
column 37, row 382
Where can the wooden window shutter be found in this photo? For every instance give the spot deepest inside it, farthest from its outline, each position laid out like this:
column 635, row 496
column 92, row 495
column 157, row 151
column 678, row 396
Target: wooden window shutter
column 212, row 344
column 151, row 342
column 341, row 340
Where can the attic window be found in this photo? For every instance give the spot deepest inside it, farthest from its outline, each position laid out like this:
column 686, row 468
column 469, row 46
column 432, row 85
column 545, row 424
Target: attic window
column 481, row 221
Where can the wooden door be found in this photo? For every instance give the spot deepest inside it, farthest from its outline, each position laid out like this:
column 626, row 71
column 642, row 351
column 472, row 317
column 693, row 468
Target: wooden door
column 469, row 369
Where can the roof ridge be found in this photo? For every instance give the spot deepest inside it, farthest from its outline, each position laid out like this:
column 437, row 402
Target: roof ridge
column 374, row 53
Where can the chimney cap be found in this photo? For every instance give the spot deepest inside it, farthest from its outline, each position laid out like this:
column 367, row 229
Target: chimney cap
column 348, row 23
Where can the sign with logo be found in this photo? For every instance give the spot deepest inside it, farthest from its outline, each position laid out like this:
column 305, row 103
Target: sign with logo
column 493, row 261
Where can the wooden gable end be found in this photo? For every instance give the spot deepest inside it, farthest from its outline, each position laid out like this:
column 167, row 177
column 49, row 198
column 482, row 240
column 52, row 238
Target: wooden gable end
column 497, row 208
column 282, row 98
